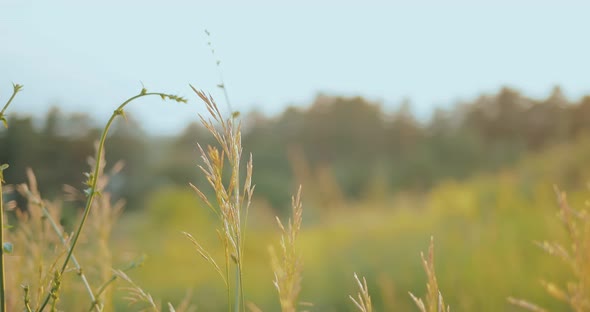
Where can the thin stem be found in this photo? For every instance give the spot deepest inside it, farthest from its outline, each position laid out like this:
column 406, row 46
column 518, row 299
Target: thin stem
column 15, row 89
column 228, row 282
column 64, row 242
column 3, row 282
column 74, row 260
column 241, row 287
column 93, row 180
column 26, row 299
column 237, row 299
column 102, row 288
column 240, row 229
column 219, row 73
column 111, row 280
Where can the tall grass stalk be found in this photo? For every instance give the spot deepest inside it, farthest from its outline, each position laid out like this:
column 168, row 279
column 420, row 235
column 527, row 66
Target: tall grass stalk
column 288, row 266
column 434, row 299
column 363, row 299
column 239, row 295
column 576, row 256
column 36, row 200
column 232, row 202
column 15, row 89
column 93, row 178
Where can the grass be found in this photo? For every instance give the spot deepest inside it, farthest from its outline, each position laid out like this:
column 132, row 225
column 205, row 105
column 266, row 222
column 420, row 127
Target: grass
column 6, row 246
column 60, row 271
column 575, row 255
column 363, row 299
column 232, row 204
column 288, row 266
column 434, row 299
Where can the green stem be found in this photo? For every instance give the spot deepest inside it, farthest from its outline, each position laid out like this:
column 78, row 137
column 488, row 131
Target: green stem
column 64, row 242
column 16, row 89
column 26, row 299
column 111, row 280
column 94, row 178
column 102, row 288
column 228, row 282
column 240, row 304
column 3, row 282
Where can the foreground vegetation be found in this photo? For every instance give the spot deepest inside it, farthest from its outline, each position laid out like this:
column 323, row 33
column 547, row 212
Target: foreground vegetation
column 484, row 228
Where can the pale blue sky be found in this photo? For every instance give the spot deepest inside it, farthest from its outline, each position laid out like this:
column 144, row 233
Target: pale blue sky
column 89, row 57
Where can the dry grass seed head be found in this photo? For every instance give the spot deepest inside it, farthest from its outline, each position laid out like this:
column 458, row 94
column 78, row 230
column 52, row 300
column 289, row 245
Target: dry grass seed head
column 231, row 201
column 434, row 299
column 577, row 257
column 363, row 300
column 135, row 294
column 288, row 267
column 37, row 246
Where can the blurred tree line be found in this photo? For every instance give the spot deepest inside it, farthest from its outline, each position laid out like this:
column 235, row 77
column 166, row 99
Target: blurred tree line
column 360, row 144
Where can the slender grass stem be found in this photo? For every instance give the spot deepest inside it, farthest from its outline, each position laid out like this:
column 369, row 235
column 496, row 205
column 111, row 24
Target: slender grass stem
column 228, row 283
column 74, row 260
column 101, row 289
column 241, row 287
column 15, row 89
column 111, row 280
column 27, row 299
column 93, row 179
column 64, row 242
column 237, row 292
column 240, row 304
column 3, row 282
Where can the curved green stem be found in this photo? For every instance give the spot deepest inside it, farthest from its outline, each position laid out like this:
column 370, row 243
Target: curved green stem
column 93, row 179
column 16, row 89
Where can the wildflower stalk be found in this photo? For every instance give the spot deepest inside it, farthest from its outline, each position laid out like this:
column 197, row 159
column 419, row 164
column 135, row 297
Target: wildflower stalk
column 92, row 181
column 15, row 89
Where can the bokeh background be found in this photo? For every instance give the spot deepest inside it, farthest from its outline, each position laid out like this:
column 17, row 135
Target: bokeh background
column 401, row 121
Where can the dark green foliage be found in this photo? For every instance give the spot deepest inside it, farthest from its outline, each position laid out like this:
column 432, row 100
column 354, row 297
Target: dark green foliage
column 356, row 140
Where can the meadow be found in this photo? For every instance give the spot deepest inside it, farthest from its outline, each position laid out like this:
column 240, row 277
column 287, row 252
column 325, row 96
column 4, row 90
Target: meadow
column 219, row 247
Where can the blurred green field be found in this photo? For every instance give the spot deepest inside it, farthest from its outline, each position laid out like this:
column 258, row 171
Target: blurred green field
column 371, row 205
column 484, row 228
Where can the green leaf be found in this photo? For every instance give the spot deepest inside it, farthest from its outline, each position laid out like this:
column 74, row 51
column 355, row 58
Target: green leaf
column 7, row 247
column 4, row 121
column 4, row 167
